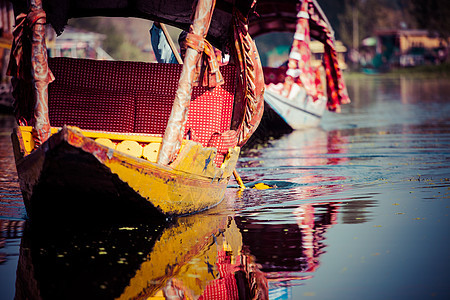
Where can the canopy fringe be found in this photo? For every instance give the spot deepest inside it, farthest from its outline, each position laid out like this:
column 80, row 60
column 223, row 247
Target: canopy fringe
column 33, row 107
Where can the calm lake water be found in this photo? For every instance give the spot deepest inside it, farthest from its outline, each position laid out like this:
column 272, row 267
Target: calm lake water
column 357, row 209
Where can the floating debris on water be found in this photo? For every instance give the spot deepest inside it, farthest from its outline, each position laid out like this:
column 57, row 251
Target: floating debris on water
column 262, row 186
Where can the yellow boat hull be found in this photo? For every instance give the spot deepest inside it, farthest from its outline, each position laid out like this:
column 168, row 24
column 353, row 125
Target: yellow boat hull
column 74, row 173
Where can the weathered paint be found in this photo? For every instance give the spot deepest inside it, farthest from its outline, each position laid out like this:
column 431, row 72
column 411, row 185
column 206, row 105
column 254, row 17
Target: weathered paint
column 113, row 136
column 191, row 184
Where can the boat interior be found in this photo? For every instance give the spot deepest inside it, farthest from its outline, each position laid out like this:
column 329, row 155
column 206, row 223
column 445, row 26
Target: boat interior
column 126, row 105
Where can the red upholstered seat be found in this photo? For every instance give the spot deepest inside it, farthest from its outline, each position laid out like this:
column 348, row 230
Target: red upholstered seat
column 115, row 75
column 91, row 109
column 137, row 97
column 152, row 111
column 215, row 107
column 91, row 95
column 210, row 111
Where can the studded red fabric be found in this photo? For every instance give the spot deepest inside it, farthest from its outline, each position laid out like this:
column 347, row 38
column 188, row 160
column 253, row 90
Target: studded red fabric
column 115, row 75
column 137, row 97
column 210, row 114
column 91, row 109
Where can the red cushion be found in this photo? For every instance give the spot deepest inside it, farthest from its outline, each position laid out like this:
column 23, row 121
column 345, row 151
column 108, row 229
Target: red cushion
column 211, row 108
column 137, row 97
column 91, row 109
column 152, row 111
column 115, row 75
column 210, row 111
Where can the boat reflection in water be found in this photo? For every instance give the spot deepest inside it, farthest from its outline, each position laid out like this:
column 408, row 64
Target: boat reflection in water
column 218, row 254
column 205, row 256
column 196, row 257
column 289, row 253
column 285, row 227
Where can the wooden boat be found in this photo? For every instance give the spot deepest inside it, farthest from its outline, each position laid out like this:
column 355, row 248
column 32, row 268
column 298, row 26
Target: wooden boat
column 299, row 92
column 132, row 140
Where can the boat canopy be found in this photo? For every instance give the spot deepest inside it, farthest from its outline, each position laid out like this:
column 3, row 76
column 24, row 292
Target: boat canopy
column 282, row 16
column 219, row 23
column 175, row 13
column 306, row 20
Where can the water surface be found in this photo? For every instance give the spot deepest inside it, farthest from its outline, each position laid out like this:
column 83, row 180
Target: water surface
column 357, row 209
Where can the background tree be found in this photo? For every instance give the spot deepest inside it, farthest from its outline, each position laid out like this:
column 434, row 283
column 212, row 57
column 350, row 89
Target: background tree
column 126, row 38
column 431, row 14
column 358, row 19
column 332, row 9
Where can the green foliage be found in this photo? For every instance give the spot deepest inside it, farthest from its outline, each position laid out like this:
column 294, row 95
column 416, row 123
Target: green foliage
column 382, row 14
column 113, row 41
column 369, row 15
column 128, row 51
column 432, row 15
column 117, row 42
column 332, row 9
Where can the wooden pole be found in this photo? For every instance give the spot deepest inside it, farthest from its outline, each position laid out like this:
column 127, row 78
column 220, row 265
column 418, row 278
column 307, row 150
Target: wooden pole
column 171, row 44
column 238, row 179
column 173, row 135
column 41, row 76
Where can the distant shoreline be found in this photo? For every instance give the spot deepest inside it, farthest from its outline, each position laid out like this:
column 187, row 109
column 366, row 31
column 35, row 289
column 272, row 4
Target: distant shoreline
column 429, row 71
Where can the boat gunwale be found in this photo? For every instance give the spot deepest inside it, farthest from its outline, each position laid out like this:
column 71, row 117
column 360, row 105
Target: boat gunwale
column 274, row 95
column 63, row 136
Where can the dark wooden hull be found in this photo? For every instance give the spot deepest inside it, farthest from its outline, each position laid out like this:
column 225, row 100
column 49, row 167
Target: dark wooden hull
column 75, row 179
column 63, row 182
column 272, row 126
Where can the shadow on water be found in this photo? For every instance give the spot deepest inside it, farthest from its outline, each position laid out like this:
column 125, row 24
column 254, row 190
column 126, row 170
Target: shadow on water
column 213, row 255
column 197, row 256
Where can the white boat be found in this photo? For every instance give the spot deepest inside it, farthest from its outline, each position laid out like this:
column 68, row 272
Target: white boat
column 300, row 91
column 300, row 111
